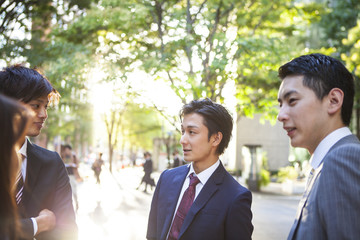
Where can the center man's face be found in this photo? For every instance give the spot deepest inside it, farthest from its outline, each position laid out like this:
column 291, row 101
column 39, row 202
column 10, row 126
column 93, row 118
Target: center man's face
column 39, row 107
column 194, row 140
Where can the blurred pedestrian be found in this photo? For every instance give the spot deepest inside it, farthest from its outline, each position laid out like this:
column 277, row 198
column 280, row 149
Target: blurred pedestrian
column 148, row 169
column 177, row 161
column 71, row 164
column 97, row 167
column 45, row 208
column 316, row 102
column 14, row 121
column 201, row 200
column 133, row 159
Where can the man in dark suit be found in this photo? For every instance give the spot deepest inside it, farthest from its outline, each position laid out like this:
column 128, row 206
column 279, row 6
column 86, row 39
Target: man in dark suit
column 316, row 99
column 44, row 199
column 214, row 205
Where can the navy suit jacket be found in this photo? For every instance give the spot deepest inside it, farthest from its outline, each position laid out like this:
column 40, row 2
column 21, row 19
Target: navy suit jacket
column 220, row 211
column 47, row 186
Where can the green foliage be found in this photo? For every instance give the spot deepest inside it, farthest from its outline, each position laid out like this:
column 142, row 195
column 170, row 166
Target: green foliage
column 196, row 46
column 142, row 125
column 352, row 60
column 66, row 69
column 288, row 172
column 264, row 172
column 340, row 17
column 264, row 177
column 199, row 46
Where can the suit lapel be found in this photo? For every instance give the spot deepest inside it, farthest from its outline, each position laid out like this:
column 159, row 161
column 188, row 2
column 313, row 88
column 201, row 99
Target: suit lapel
column 175, row 185
column 209, row 189
column 304, row 200
column 32, row 171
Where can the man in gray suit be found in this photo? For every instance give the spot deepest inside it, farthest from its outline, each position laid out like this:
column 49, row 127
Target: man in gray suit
column 316, row 99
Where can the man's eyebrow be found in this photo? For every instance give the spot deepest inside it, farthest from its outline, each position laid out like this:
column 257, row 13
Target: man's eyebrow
column 287, row 95
column 41, row 101
column 190, row 126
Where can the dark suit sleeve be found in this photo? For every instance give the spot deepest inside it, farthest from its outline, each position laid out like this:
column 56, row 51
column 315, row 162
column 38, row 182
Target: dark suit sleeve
column 153, row 217
column 339, row 193
column 238, row 222
column 26, row 228
column 62, row 207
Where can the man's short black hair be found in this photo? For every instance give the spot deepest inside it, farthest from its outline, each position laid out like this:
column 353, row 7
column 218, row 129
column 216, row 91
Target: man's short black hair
column 321, row 74
column 67, row 146
column 216, row 119
column 26, row 84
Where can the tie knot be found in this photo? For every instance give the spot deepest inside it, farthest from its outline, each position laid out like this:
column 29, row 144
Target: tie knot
column 193, row 180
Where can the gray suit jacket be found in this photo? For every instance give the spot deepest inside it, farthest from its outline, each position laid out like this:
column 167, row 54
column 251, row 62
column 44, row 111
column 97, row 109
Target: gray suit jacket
column 330, row 208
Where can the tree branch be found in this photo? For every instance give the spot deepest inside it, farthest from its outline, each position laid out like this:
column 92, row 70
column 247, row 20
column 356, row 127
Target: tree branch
column 261, row 19
column 210, row 41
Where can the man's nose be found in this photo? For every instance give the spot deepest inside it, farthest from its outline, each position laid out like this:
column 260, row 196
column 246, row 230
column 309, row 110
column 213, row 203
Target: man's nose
column 183, row 139
column 282, row 115
column 43, row 113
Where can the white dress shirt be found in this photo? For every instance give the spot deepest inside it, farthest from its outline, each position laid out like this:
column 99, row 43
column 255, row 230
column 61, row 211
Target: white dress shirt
column 325, row 145
column 23, row 151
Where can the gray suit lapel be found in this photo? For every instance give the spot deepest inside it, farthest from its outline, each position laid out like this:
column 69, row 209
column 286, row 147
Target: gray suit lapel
column 209, row 189
column 304, row 200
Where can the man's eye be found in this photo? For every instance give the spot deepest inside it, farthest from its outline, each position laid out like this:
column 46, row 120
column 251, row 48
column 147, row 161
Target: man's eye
column 35, row 105
column 292, row 100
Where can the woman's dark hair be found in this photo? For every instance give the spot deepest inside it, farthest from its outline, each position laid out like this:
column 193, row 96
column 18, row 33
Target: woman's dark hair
column 13, row 122
column 26, row 84
column 321, row 74
column 216, row 119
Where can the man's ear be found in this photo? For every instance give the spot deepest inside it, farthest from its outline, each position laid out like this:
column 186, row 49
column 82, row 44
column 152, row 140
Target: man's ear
column 336, row 98
column 216, row 139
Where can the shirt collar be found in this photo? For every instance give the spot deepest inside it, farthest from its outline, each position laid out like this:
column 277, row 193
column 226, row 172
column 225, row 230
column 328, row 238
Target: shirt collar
column 23, row 148
column 206, row 174
column 325, row 145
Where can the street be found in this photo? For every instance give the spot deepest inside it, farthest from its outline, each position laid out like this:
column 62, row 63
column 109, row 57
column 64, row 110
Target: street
column 114, row 209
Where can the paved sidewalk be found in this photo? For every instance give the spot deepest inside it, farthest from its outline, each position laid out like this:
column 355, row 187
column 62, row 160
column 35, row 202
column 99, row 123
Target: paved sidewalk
column 116, row 210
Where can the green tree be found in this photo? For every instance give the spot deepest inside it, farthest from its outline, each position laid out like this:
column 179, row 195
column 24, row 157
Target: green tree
column 199, row 46
column 32, row 33
column 352, row 60
column 335, row 23
column 142, row 124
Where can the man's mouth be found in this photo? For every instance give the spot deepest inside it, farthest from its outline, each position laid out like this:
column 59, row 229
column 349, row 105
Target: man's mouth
column 39, row 124
column 290, row 130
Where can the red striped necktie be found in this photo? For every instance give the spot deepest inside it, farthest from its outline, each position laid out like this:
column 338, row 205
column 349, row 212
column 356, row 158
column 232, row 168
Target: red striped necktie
column 185, row 204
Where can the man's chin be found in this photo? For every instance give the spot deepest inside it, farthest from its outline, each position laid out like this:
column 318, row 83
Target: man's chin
column 188, row 160
column 33, row 134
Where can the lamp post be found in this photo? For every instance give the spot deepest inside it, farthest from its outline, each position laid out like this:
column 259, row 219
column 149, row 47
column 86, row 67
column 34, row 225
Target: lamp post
column 254, row 178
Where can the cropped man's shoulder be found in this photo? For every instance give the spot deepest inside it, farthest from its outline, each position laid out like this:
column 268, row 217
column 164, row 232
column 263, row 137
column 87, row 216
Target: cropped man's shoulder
column 177, row 170
column 42, row 153
column 347, row 141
